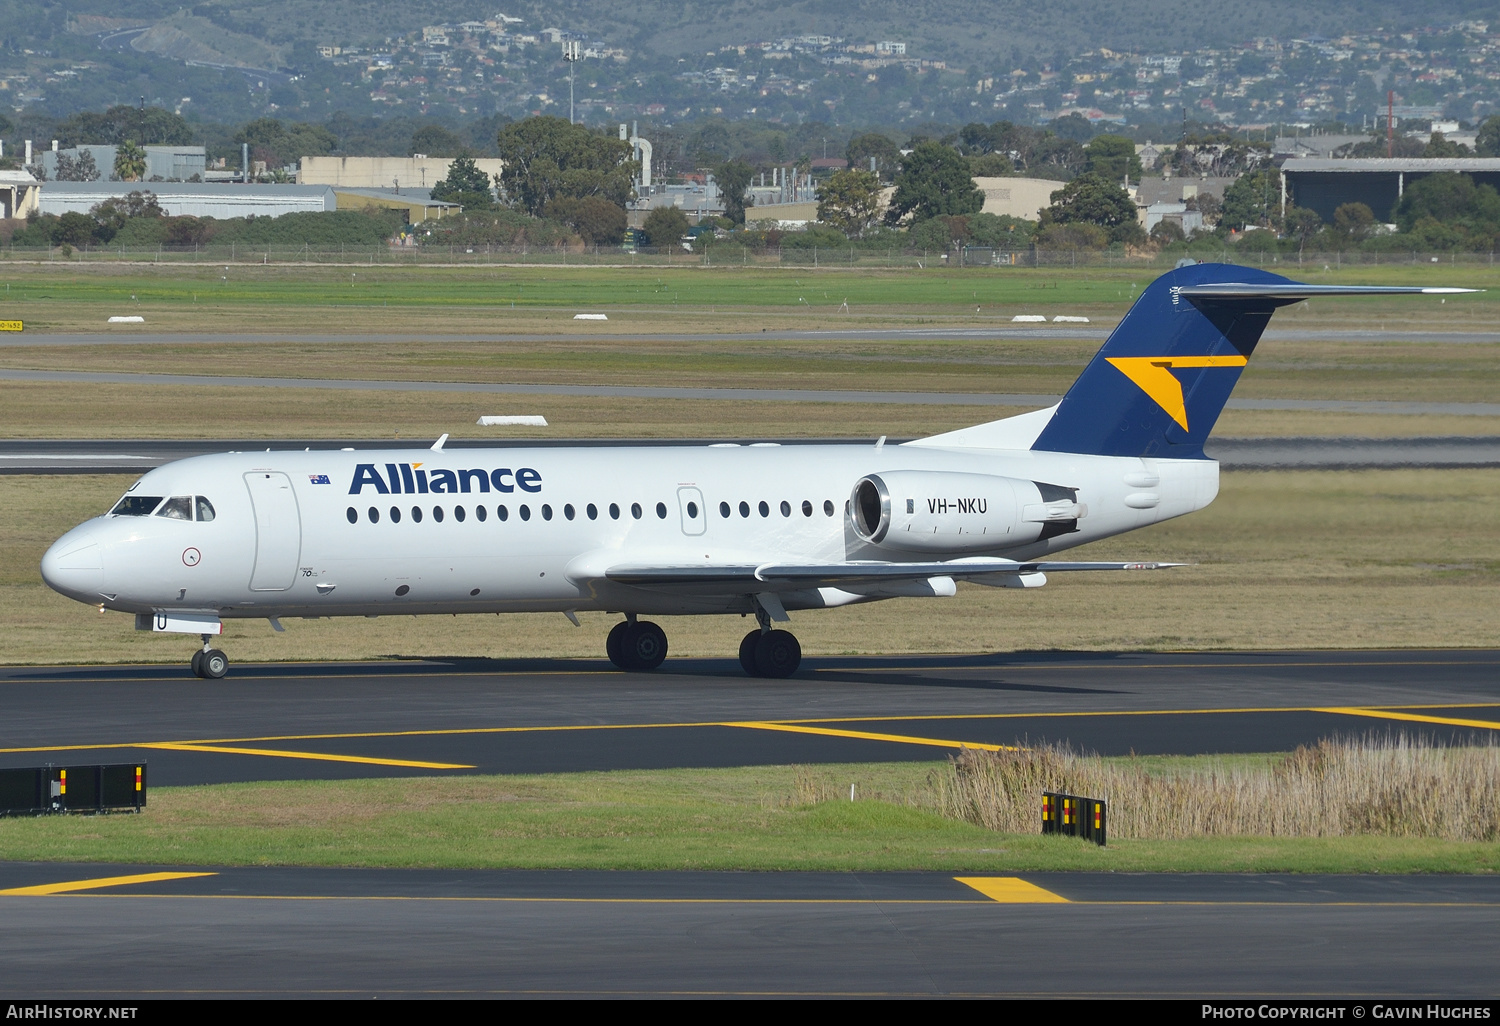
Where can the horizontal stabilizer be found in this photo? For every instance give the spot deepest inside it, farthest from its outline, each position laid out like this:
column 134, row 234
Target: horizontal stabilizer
column 1296, row 291
column 734, row 579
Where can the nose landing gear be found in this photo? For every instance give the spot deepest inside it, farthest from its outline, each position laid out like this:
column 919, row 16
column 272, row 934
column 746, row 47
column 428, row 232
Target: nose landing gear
column 209, row 663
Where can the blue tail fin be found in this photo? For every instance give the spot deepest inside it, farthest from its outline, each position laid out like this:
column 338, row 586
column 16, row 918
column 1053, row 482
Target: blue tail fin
column 1157, row 386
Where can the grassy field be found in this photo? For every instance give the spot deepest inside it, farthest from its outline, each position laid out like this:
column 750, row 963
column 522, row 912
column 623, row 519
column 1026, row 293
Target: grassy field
column 442, row 300
column 1345, row 559
column 767, row 818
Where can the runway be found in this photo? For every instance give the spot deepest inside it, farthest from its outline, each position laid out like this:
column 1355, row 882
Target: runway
column 1097, row 332
column 862, row 397
column 281, row 932
column 107, row 456
column 341, row 721
column 175, row 930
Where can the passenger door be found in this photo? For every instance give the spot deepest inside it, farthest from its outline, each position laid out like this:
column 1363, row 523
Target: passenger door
column 278, row 530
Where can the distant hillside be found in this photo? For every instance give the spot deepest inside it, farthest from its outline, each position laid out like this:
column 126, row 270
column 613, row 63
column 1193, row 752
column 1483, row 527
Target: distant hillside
column 954, row 30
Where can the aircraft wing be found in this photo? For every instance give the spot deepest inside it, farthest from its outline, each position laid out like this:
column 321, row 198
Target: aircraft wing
column 745, row 577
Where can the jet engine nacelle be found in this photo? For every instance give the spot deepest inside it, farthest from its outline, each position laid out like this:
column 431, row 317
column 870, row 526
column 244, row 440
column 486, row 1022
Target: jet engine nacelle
column 926, row 511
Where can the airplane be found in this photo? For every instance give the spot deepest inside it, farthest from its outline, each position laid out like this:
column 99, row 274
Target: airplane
column 760, row 529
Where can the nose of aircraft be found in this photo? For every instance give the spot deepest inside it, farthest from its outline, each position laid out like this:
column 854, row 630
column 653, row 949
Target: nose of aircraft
column 74, row 565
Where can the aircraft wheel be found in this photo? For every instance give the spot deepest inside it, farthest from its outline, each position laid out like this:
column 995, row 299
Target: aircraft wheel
column 614, row 645
column 644, row 646
column 747, row 653
column 777, row 654
column 197, row 663
column 214, row 664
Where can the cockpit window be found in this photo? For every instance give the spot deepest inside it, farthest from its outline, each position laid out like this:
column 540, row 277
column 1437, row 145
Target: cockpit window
column 178, row 507
column 136, row 506
column 205, row 509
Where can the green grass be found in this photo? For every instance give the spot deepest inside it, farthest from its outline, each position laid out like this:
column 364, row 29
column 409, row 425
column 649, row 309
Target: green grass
column 753, row 818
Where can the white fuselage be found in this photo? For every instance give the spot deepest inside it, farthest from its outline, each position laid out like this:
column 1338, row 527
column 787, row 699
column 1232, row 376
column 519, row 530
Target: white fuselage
column 281, row 543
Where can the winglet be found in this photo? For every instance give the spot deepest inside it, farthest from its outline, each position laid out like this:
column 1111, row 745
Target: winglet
column 438, row 445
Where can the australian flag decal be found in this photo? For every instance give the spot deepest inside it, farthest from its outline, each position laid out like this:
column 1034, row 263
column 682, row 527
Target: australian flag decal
column 319, row 479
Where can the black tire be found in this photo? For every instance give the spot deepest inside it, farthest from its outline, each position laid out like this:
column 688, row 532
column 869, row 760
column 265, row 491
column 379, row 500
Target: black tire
column 215, row 664
column 644, row 646
column 197, row 663
column 747, row 653
column 614, row 645
column 778, row 654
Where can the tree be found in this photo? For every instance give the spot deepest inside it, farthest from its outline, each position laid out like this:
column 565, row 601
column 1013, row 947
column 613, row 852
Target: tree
column 547, row 157
column 279, row 145
column 1488, row 142
column 934, row 181
column 734, row 179
column 1302, row 224
column 1073, row 127
column 597, row 221
column 1164, row 233
column 111, row 215
column 665, row 227
column 850, row 201
column 151, row 125
column 435, row 141
column 465, row 184
column 74, row 229
column 989, row 165
column 1093, row 199
column 1253, row 199
column 1437, row 146
column 130, row 162
column 80, row 169
column 1451, row 200
column 1114, row 157
column 1354, row 221
column 872, row 145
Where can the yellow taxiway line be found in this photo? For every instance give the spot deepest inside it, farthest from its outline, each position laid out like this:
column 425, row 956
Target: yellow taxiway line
column 103, row 881
column 793, row 728
column 1392, row 714
column 366, row 760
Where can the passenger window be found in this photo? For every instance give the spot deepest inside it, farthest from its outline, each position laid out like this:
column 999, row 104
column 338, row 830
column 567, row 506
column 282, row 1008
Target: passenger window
column 614, row 511
column 692, row 509
column 416, row 514
column 568, row 511
column 765, row 510
column 724, row 510
column 546, row 511
column 525, row 511
column 395, row 514
column 178, row 507
column 459, row 514
column 136, row 506
column 374, row 515
column 635, row 510
column 205, row 509
column 437, row 513
column 502, row 513
column 806, row 508
column 593, row 511
column 786, row 508
column 744, row 509
column 828, row 507
column 661, row 511
column 482, row 513
column 352, row 514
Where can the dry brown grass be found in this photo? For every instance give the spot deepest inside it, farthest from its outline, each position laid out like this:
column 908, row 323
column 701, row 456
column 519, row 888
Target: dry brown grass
column 1378, row 785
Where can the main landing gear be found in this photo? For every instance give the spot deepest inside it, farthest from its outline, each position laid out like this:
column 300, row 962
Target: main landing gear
column 636, row 644
column 209, row 663
column 768, row 653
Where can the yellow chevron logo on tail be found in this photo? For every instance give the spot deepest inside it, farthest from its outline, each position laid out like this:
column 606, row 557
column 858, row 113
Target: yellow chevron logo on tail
column 1153, row 375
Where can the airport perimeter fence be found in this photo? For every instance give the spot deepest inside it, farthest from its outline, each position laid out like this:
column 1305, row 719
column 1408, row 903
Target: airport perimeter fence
column 721, row 255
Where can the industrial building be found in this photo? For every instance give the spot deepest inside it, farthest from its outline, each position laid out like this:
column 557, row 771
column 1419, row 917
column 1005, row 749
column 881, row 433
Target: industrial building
column 178, row 198
column 415, row 172
column 163, row 163
column 18, row 194
column 1324, row 185
column 1025, row 198
column 416, row 204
